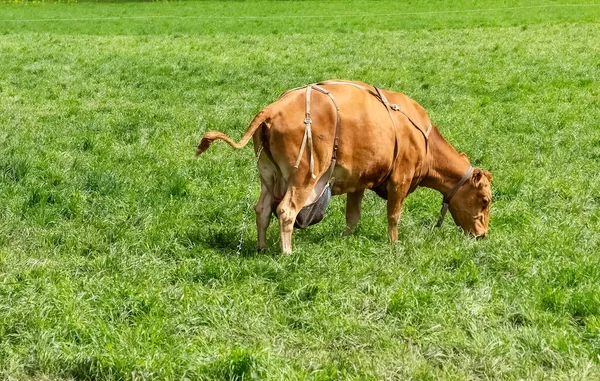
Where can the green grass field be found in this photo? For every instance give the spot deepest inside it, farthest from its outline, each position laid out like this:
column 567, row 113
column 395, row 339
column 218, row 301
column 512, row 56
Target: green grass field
column 118, row 249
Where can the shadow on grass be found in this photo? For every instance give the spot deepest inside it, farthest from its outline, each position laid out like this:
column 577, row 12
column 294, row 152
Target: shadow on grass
column 227, row 241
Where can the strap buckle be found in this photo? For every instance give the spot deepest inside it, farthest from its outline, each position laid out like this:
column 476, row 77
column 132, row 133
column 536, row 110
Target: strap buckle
column 307, row 120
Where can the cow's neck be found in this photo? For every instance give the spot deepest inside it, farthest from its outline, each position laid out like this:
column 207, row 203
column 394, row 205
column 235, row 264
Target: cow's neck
column 446, row 166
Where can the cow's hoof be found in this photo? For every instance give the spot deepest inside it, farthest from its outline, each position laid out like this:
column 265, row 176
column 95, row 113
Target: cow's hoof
column 347, row 232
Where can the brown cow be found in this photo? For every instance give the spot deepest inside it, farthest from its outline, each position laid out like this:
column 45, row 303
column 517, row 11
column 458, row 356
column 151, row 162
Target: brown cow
column 386, row 144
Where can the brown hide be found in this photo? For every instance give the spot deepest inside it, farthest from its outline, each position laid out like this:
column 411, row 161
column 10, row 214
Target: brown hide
column 367, row 139
column 374, row 153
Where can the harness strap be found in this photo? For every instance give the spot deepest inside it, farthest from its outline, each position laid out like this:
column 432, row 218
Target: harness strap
column 387, row 105
column 307, row 138
column 308, row 122
column 379, row 94
column 336, row 140
column 308, row 132
column 395, row 107
column 390, row 107
column 291, row 90
column 448, row 196
column 348, row 83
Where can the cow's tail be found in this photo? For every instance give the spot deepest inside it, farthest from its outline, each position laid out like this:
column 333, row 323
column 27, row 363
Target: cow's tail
column 262, row 117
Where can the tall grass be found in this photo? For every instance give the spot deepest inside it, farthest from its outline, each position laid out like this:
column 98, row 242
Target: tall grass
column 117, row 247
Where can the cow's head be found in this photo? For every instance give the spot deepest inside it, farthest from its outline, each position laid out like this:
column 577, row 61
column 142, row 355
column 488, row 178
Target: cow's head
column 470, row 206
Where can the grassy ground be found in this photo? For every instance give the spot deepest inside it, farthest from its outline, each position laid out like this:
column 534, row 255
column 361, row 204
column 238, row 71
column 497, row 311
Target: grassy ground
column 117, row 248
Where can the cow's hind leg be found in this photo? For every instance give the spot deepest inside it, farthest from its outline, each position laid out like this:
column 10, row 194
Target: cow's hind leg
column 294, row 199
column 353, row 201
column 263, row 215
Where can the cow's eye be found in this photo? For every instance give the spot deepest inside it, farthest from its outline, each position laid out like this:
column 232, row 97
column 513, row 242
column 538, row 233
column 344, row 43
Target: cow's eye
column 486, row 202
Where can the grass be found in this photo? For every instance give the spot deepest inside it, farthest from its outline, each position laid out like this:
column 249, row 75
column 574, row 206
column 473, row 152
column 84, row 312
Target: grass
column 117, row 247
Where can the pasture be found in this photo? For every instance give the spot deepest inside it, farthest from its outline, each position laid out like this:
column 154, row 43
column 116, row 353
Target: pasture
column 118, row 249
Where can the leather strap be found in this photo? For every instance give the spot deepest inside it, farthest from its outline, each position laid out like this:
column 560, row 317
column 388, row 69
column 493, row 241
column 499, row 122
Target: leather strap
column 379, row 94
column 336, row 140
column 448, row 196
column 390, row 107
column 308, row 121
column 395, row 107
column 307, row 138
column 348, row 83
column 386, row 104
column 308, row 131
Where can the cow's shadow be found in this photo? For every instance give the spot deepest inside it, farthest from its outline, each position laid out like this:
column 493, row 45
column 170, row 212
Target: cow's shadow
column 225, row 238
column 227, row 242
column 222, row 240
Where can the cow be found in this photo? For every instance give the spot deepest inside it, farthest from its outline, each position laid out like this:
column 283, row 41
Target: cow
column 343, row 137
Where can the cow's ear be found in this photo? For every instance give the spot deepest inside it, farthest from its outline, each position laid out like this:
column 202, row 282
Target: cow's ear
column 489, row 175
column 476, row 177
column 464, row 155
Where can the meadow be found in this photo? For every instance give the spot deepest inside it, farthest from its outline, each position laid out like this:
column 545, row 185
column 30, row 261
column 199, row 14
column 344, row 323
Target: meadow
column 118, row 248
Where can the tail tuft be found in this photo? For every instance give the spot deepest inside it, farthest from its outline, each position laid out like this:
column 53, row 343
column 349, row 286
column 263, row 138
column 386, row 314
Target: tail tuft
column 209, row 137
column 206, row 141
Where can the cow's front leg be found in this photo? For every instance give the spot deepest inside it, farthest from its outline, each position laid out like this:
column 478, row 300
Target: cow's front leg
column 353, row 202
column 396, row 196
column 263, row 215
